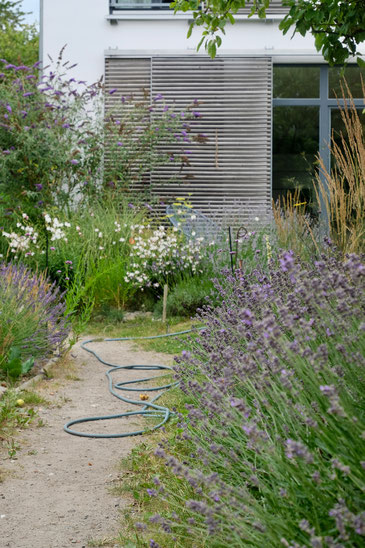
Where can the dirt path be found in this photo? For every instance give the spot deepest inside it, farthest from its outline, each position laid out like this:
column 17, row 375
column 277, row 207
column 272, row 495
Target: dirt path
column 56, row 491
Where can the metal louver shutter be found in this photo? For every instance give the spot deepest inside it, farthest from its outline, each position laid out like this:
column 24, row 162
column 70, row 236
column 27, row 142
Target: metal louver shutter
column 132, row 78
column 229, row 174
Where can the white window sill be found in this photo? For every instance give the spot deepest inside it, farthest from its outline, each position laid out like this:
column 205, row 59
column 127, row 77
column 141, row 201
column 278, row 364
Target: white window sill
column 160, row 15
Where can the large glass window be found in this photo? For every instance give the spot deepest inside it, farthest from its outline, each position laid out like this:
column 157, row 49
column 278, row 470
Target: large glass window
column 305, row 110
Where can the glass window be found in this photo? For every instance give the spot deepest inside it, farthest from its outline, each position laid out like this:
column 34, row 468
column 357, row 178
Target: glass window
column 296, row 82
column 352, row 75
column 295, row 145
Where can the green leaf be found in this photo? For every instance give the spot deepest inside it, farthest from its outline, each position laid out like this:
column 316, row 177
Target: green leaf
column 361, row 62
column 212, row 49
column 13, row 367
column 200, row 43
column 27, row 366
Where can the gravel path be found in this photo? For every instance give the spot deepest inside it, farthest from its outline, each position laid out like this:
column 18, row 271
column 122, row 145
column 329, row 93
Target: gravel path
column 56, row 491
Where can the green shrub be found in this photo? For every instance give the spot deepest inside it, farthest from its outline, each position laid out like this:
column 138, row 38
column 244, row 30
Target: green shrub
column 187, row 296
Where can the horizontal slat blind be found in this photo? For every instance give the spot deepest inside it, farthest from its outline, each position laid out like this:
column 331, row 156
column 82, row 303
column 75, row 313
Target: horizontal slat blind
column 231, row 171
column 132, row 80
column 230, row 174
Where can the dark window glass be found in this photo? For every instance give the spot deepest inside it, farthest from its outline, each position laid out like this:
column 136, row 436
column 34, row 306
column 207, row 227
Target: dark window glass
column 296, row 82
column 339, row 129
column 352, row 75
column 295, row 145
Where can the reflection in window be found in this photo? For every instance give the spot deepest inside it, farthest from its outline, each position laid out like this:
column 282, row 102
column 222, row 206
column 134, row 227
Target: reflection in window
column 295, row 145
column 296, row 82
column 352, row 75
column 339, row 128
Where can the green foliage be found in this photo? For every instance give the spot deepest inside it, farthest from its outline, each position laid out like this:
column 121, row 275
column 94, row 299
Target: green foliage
column 12, row 416
column 19, row 42
column 14, row 366
column 187, row 296
column 20, row 46
column 11, row 14
column 338, row 27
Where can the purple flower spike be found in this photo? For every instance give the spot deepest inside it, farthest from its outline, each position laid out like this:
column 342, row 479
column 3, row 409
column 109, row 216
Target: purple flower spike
column 74, row 162
column 114, row 90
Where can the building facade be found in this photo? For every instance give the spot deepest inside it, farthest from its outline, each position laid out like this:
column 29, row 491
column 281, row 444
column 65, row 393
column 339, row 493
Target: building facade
column 268, row 101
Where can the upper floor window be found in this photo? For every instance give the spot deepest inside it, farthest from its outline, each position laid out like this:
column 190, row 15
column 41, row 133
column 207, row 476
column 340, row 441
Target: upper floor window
column 139, row 4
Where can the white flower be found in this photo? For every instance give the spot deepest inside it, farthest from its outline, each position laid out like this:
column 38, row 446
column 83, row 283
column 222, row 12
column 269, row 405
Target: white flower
column 67, row 224
column 256, row 219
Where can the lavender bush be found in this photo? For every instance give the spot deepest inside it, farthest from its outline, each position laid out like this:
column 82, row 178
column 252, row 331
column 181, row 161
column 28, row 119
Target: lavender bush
column 32, row 317
column 272, row 446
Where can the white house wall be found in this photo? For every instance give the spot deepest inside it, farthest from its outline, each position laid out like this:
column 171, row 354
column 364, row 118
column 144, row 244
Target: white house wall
column 85, row 26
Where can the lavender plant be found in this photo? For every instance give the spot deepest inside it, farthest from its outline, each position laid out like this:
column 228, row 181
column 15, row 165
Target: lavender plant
column 273, row 436
column 32, row 320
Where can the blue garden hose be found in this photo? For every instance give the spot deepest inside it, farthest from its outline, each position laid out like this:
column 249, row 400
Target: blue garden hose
column 150, row 409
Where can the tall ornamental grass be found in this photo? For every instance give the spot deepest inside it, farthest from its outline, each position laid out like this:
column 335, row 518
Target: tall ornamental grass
column 342, row 189
column 271, row 449
column 294, row 227
column 32, row 320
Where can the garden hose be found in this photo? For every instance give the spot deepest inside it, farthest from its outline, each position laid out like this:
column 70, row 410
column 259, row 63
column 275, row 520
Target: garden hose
column 150, row 409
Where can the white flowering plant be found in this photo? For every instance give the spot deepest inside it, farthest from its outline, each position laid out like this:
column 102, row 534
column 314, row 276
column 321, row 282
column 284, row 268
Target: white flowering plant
column 162, row 255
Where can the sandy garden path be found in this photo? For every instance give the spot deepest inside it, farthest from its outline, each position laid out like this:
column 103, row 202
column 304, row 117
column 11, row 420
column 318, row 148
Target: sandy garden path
column 55, row 492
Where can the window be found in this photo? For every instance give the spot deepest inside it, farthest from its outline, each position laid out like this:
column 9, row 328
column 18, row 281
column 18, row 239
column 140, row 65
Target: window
column 305, row 104
column 139, row 4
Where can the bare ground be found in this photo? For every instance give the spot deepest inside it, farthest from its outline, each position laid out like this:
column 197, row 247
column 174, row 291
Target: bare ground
column 55, row 492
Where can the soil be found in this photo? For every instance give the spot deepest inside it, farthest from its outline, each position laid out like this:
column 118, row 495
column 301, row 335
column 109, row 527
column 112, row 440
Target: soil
column 56, row 489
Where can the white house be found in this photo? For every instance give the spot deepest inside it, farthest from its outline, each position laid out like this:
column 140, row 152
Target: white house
column 267, row 100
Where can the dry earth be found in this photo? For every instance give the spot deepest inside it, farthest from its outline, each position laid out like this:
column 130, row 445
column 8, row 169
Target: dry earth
column 55, row 492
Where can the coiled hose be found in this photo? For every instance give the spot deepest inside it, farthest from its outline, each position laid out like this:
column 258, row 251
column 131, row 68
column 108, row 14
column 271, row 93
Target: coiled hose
column 150, row 409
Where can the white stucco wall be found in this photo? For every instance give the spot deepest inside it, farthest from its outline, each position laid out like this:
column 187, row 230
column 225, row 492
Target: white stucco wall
column 84, row 26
